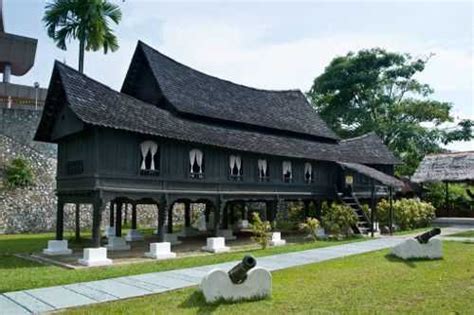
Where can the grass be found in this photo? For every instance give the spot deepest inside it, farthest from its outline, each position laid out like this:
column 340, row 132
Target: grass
column 20, row 274
column 361, row 284
column 414, row 231
column 469, row 233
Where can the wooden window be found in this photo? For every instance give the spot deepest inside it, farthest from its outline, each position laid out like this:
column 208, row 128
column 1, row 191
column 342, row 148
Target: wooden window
column 150, row 158
column 196, row 164
column 287, row 172
column 235, row 167
column 263, row 173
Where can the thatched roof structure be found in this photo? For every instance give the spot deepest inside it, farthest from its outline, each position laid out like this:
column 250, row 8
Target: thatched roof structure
column 446, row 167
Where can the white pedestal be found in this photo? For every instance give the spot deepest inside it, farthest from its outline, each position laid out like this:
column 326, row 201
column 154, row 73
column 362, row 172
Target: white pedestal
column 321, row 233
column 56, row 248
column 243, row 224
column 227, row 234
column 215, row 245
column 411, row 248
column 94, row 257
column 134, row 235
column 276, row 239
column 217, row 285
column 200, row 224
column 160, row 251
column 117, row 243
column 172, row 238
column 109, row 231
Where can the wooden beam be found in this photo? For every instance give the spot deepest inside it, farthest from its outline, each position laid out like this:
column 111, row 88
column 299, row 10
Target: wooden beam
column 187, row 214
column 134, row 216
column 96, row 220
column 78, row 222
column 60, row 220
column 118, row 220
column 170, row 218
column 161, row 218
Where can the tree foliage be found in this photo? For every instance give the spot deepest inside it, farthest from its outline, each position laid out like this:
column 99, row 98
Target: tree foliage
column 377, row 90
column 18, row 173
column 338, row 219
column 85, row 20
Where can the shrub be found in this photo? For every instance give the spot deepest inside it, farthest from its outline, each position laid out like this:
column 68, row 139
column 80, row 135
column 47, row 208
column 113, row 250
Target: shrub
column 458, row 197
column 260, row 230
column 407, row 213
column 18, row 174
column 338, row 219
column 311, row 226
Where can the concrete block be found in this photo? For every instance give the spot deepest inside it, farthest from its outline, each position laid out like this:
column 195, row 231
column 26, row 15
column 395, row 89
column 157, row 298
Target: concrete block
column 160, row 251
column 172, row 238
column 276, row 239
column 109, row 231
column 134, row 235
column 227, row 234
column 217, row 285
column 215, row 245
column 411, row 248
column 56, row 248
column 94, row 257
column 117, row 244
column 243, row 224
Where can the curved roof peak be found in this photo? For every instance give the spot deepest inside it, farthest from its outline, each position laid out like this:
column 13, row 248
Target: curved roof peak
column 192, row 92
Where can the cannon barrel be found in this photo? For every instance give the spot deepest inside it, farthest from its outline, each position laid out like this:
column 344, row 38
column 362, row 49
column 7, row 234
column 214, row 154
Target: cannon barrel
column 238, row 274
column 425, row 237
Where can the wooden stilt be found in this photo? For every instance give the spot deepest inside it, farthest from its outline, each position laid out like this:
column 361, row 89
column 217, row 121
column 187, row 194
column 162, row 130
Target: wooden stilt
column 96, row 220
column 170, row 218
column 134, row 216
column 187, row 214
column 161, row 218
column 60, row 221
column 78, row 222
column 118, row 220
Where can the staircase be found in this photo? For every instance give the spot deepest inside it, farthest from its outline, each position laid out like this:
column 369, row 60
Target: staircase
column 363, row 225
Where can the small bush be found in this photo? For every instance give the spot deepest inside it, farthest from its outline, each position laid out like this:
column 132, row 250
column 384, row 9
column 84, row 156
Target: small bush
column 311, row 227
column 338, row 219
column 407, row 213
column 260, row 230
column 458, row 197
column 18, row 174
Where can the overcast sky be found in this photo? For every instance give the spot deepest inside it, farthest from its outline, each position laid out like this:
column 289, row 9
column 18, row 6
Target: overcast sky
column 274, row 45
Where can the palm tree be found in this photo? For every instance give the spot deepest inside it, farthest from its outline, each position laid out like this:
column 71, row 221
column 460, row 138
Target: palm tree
column 85, row 20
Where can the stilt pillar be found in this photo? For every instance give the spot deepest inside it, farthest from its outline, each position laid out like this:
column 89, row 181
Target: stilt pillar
column 60, row 221
column 161, row 218
column 187, row 214
column 96, row 220
column 118, row 220
column 78, row 222
column 170, row 219
column 134, row 216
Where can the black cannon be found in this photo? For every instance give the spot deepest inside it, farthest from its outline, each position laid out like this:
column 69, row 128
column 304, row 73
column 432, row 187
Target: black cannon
column 425, row 237
column 238, row 274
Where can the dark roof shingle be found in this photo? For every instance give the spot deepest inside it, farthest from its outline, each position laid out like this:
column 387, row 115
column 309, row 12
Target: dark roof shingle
column 193, row 92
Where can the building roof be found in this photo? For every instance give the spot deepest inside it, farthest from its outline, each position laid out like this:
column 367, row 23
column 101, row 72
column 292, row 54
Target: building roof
column 446, row 167
column 370, row 149
column 192, row 92
column 98, row 105
column 375, row 174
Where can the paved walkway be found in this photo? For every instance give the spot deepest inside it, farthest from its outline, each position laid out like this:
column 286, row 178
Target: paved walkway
column 42, row 300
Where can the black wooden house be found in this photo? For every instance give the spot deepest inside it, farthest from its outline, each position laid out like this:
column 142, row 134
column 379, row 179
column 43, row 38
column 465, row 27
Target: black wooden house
column 174, row 134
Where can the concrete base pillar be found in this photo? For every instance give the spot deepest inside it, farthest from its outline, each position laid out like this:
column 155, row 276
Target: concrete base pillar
column 160, row 251
column 56, row 248
column 227, row 234
column 109, row 231
column 216, row 245
column 94, row 257
column 117, row 243
column 172, row 238
column 276, row 239
column 134, row 235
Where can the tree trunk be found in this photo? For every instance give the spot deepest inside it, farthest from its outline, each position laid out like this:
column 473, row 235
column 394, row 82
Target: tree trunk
column 81, row 56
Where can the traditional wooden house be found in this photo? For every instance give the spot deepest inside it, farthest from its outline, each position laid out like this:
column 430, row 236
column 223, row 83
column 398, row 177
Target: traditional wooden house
column 174, row 134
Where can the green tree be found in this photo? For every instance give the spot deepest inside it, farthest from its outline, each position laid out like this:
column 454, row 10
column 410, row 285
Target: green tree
column 376, row 90
column 18, row 173
column 84, row 20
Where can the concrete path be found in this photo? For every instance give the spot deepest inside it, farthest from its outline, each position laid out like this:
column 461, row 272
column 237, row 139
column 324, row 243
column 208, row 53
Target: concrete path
column 42, row 300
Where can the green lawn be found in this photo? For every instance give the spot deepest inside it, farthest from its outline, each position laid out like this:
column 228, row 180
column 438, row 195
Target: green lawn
column 368, row 283
column 20, row 274
column 469, row 233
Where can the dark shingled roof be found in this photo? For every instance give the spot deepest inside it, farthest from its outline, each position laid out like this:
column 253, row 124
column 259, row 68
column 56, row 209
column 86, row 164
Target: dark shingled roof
column 446, row 167
column 192, row 92
column 370, row 150
column 375, row 174
column 97, row 104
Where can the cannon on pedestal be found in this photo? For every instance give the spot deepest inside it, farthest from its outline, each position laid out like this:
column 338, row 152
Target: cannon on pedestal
column 243, row 282
column 238, row 274
column 425, row 237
